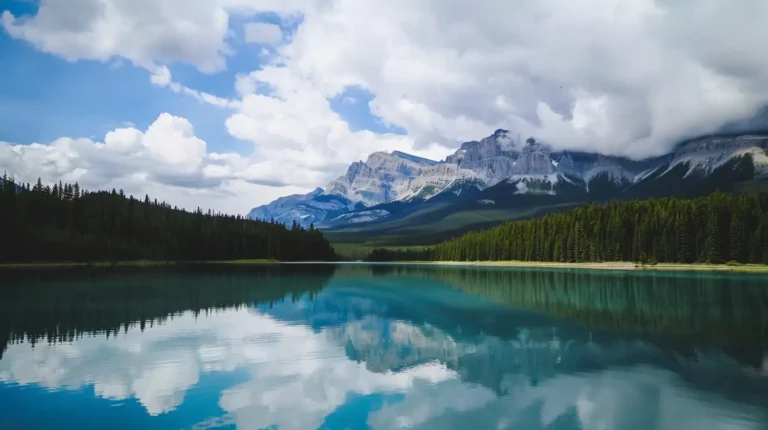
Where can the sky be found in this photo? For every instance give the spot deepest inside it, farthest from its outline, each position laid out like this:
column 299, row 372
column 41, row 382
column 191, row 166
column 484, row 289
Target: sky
column 229, row 104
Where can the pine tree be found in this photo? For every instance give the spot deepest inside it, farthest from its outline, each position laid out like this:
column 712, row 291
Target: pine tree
column 712, row 245
column 736, row 243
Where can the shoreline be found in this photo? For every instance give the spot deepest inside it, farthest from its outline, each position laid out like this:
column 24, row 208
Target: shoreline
column 137, row 263
column 65, row 264
column 610, row 265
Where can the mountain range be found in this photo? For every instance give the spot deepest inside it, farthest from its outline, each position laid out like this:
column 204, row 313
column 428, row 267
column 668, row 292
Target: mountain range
column 400, row 198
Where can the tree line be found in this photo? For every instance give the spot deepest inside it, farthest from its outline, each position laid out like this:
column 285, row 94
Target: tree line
column 66, row 223
column 717, row 228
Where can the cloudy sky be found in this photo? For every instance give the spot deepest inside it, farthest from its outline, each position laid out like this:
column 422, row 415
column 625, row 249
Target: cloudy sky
column 228, row 104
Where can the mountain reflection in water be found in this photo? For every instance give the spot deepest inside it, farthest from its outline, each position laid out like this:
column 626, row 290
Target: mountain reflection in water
column 382, row 346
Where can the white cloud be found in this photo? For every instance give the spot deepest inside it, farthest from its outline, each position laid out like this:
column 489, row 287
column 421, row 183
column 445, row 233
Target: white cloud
column 263, row 33
column 162, row 77
column 168, row 161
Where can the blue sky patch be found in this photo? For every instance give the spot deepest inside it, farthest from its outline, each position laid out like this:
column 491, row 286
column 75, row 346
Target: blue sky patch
column 352, row 105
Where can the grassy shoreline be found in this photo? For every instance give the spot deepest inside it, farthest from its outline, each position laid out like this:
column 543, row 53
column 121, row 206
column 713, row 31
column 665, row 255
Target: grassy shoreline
column 610, row 265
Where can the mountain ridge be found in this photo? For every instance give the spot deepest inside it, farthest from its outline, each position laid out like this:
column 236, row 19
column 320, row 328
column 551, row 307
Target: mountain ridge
column 501, row 170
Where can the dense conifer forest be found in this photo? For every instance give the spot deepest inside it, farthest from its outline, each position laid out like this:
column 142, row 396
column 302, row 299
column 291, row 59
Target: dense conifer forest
column 41, row 223
column 717, row 228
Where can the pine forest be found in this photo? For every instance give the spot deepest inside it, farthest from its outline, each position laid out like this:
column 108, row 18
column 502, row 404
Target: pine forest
column 717, row 228
column 40, row 223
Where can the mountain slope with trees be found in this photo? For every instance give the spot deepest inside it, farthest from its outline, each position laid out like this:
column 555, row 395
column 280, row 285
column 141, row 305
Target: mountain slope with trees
column 716, row 228
column 65, row 223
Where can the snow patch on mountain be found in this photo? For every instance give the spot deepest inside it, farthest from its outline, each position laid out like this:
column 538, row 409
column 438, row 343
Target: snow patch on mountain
column 705, row 155
column 614, row 173
column 435, row 180
column 363, row 216
column 552, row 178
column 759, row 159
column 645, row 173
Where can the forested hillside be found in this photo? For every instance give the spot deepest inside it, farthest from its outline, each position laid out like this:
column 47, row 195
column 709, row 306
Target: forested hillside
column 717, row 228
column 65, row 223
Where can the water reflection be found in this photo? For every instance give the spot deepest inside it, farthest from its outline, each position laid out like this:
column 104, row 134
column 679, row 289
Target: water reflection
column 401, row 347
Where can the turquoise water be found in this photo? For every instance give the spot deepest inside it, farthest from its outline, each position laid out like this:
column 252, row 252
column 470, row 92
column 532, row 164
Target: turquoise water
column 381, row 347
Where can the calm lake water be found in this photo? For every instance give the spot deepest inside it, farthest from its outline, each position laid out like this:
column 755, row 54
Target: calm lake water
column 381, row 347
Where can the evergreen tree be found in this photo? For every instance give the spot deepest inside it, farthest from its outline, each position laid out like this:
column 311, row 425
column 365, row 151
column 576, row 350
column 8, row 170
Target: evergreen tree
column 712, row 244
column 736, row 243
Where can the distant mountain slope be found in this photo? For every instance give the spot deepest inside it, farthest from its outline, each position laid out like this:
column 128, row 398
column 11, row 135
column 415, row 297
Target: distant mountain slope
column 500, row 177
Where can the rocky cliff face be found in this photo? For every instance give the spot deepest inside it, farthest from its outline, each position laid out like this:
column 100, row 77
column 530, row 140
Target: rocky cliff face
column 501, row 157
column 381, row 178
column 531, row 166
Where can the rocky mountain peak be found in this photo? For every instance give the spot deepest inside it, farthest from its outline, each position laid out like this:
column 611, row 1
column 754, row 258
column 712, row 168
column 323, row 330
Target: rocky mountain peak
column 500, row 143
column 535, row 159
column 382, row 177
column 356, row 169
column 413, row 158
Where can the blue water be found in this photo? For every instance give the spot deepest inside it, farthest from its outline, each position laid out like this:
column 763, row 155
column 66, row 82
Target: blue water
column 381, row 347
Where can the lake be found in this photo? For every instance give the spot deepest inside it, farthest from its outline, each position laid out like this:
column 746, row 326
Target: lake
column 381, row 347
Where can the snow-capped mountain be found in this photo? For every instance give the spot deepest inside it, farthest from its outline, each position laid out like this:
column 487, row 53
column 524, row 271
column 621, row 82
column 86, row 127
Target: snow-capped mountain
column 506, row 166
